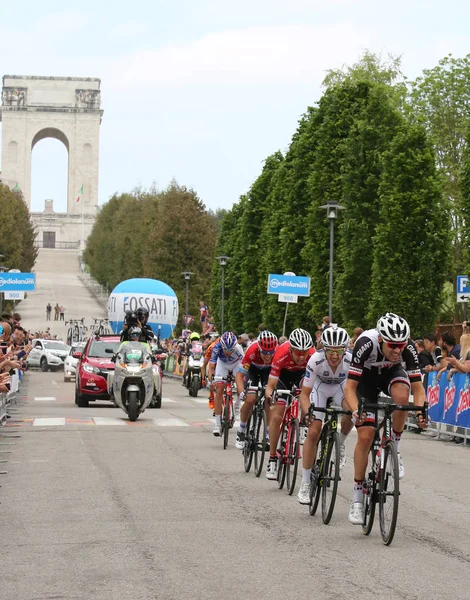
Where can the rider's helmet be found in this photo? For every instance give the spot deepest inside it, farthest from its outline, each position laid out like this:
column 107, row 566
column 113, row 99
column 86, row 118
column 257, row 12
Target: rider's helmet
column 267, row 341
column 228, row 341
column 194, row 336
column 142, row 314
column 135, row 333
column 335, row 336
column 393, row 328
column 300, row 340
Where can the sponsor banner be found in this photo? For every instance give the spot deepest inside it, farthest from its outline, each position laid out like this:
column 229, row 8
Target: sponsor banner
column 13, row 282
column 14, row 295
column 449, row 401
column 288, row 284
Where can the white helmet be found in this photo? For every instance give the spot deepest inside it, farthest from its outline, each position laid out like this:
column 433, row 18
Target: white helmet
column 393, row 328
column 334, row 336
column 300, row 340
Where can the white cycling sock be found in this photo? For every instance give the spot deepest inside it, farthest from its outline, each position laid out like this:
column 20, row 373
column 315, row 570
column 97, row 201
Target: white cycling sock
column 242, row 426
column 358, row 491
column 396, row 437
column 306, row 475
column 342, row 439
column 217, row 420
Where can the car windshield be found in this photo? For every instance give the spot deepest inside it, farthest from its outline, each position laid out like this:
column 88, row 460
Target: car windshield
column 57, row 346
column 98, row 349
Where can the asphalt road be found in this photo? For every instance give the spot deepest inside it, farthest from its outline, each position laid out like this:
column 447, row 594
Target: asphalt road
column 93, row 507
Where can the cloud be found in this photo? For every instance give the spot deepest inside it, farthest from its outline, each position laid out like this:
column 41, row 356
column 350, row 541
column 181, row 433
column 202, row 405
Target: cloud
column 62, row 22
column 256, row 55
column 129, row 29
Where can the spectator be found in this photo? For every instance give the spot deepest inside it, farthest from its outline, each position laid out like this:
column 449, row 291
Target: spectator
column 460, row 365
column 262, row 327
column 424, row 357
column 326, row 322
column 56, row 312
column 203, row 315
column 282, row 339
column 62, row 313
column 430, row 343
column 244, row 340
column 356, row 333
column 450, row 344
column 48, row 311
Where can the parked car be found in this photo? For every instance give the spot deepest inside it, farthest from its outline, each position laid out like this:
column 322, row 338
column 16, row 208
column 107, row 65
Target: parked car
column 71, row 361
column 93, row 368
column 48, row 354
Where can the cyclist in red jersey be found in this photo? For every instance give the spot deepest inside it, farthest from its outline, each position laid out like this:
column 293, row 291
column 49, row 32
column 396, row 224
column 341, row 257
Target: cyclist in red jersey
column 287, row 369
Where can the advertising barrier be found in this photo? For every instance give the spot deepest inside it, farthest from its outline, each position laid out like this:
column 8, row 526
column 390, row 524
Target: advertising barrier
column 449, row 401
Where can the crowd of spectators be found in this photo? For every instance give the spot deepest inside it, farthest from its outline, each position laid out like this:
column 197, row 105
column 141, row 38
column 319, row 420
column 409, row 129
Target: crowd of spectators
column 15, row 345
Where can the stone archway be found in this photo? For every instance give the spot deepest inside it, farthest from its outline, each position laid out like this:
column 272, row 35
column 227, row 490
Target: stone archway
column 64, row 108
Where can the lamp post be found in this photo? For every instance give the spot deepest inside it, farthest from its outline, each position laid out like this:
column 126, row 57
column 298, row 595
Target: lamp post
column 187, row 277
column 332, row 209
column 223, row 260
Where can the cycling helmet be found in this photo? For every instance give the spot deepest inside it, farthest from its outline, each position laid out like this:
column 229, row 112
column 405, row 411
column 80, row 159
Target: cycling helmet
column 267, row 341
column 228, row 341
column 300, row 340
column 142, row 314
column 135, row 332
column 334, row 336
column 194, row 336
column 393, row 328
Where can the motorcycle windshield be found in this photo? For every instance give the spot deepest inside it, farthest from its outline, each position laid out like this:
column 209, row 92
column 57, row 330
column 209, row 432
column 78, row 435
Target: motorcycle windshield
column 134, row 353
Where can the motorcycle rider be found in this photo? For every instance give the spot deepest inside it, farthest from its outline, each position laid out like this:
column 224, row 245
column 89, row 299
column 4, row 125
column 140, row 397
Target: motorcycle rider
column 133, row 334
column 194, row 346
column 139, row 319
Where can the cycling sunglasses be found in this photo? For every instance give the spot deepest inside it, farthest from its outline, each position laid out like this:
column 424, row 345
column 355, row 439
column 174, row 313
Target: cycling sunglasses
column 396, row 345
column 267, row 352
column 339, row 351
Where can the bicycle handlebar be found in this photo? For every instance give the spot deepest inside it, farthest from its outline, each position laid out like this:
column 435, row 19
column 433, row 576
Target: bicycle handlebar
column 389, row 408
column 329, row 409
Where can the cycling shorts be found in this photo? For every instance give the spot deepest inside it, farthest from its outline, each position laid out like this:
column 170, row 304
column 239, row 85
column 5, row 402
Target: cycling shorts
column 286, row 380
column 372, row 382
column 256, row 375
column 223, row 369
column 322, row 391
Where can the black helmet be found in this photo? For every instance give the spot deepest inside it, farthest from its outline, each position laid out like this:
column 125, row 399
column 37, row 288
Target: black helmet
column 142, row 314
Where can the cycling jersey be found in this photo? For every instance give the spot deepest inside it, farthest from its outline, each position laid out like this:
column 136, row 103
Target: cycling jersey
column 319, row 369
column 283, row 361
column 253, row 358
column 208, row 353
column 234, row 357
column 367, row 357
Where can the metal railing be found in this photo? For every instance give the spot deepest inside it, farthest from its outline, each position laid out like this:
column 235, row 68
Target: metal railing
column 100, row 292
column 58, row 245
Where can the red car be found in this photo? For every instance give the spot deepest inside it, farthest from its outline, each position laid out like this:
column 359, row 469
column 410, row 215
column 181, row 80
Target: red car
column 91, row 381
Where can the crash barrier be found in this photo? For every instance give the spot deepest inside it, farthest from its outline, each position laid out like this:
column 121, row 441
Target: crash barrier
column 173, row 367
column 4, row 402
column 8, row 398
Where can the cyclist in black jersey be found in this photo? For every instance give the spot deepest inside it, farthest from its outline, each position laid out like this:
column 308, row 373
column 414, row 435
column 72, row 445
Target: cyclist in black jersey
column 383, row 359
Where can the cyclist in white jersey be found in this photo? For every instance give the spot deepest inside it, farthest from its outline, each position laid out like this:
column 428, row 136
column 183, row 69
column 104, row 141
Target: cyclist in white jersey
column 325, row 378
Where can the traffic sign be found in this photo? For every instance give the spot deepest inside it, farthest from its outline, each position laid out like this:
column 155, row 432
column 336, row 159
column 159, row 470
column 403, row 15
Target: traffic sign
column 291, row 298
column 462, row 285
column 13, row 282
column 288, row 284
column 463, row 297
column 14, row 295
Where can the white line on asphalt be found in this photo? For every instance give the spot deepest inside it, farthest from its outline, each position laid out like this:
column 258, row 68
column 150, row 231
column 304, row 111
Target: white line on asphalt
column 45, row 399
column 170, row 423
column 54, row 383
column 168, row 400
column 48, row 422
column 108, row 421
column 200, row 400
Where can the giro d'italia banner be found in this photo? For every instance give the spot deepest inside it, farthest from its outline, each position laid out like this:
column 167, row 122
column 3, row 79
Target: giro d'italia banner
column 156, row 296
column 449, row 401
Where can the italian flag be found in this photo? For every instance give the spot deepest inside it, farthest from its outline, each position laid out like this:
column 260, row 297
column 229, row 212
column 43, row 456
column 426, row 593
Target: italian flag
column 16, row 188
column 80, row 194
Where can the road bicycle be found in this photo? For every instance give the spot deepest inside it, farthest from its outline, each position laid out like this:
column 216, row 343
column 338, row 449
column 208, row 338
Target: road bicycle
column 77, row 331
column 325, row 475
column 100, row 327
column 255, row 440
column 382, row 484
column 228, row 416
column 288, row 447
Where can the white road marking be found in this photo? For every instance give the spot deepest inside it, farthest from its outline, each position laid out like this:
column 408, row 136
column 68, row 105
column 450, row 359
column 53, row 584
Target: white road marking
column 48, row 422
column 45, row 399
column 200, row 400
column 54, row 383
column 108, row 421
column 170, row 423
column 168, row 400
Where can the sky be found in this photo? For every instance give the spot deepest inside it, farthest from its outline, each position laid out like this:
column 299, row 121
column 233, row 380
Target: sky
column 203, row 91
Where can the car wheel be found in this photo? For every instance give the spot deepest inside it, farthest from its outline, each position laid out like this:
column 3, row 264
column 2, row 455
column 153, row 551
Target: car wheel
column 43, row 364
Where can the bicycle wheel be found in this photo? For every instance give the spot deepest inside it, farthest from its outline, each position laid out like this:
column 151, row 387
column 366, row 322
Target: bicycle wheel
column 370, row 495
column 260, row 442
column 293, row 455
column 330, row 478
column 315, row 478
column 249, row 444
column 227, row 418
column 389, row 492
column 281, row 457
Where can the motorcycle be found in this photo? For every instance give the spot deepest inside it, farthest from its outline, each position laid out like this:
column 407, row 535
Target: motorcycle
column 193, row 369
column 159, row 362
column 134, row 379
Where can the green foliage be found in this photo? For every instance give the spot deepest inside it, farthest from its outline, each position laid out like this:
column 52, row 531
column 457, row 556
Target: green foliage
column 18, row 232
column 411, row 244
column 157, row 235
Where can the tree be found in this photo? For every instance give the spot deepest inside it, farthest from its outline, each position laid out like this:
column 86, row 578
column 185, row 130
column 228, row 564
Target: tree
column 411, row 247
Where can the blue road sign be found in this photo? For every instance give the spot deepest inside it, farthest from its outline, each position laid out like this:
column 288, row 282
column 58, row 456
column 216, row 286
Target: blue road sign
column 288, row 284
column 462, row 284
column 17, row 282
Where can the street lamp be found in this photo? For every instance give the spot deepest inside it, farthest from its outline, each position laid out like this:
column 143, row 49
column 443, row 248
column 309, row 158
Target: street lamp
column 332, row 208
column 187, row 277
column 223, row 260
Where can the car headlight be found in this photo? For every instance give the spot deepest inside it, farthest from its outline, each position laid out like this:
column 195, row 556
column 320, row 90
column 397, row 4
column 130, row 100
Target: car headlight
column 90, row 369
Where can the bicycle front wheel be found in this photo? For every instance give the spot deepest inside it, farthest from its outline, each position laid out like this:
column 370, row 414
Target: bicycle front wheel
column 248, row 450
column 260, row 442
column 281, row 457
column 370, row 494
column 315, row 478
column 330, row 478
column 293, row 455
column 227, row 420
column 389, row 492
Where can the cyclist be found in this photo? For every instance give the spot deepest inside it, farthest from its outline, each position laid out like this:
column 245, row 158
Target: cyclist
column 226, row 356
column 287, row 369
column 377, row 365
column 255, row 367
column 325, row 378
column 207, row 357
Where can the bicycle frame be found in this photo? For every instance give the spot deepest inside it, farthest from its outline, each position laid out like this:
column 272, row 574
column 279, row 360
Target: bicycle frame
column 291, row 413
